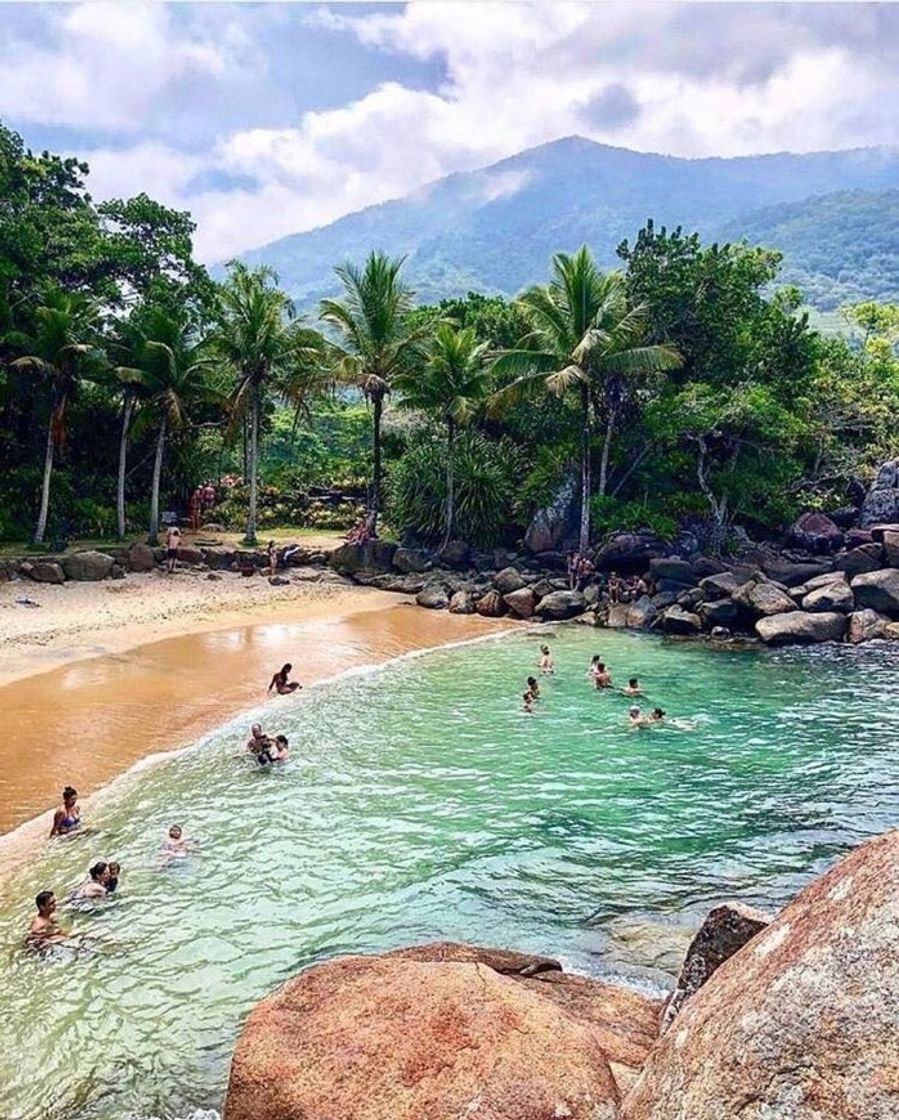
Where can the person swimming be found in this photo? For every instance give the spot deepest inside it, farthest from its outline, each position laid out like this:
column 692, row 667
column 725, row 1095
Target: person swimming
column 633, row 688
column 602, row 678
column 280, row 752
column 67, row 818
column 112, row 879
column 636, row 718
column 528, row 703
column 280, row 682
column 546, row 663
column 656, row 715
column 534, row 688
column 175, row 844
column 594, row 662
column 44, row 927
column 94, row 886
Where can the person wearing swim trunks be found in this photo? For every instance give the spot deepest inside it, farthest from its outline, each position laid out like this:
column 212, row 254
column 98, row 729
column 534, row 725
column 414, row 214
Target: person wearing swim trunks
column 602, row 678
column 172, row 544
column 44, row 926
column 68, row 817
column 281, row 684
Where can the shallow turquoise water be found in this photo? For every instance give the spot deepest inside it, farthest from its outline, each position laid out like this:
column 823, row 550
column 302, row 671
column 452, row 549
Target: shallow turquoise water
column 421, row 803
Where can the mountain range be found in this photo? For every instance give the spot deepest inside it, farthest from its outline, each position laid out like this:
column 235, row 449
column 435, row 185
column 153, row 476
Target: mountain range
column 834, row 214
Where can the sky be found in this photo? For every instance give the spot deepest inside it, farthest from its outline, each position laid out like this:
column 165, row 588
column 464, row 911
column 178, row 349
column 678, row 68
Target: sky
column 270, row 119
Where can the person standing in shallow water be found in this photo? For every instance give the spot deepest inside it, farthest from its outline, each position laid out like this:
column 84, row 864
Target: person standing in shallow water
column 546, row 663
column 44, row 927
column 67, row 818
column 280, row 682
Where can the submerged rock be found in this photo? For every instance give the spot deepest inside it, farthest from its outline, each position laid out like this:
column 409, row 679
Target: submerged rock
column 801, row 1023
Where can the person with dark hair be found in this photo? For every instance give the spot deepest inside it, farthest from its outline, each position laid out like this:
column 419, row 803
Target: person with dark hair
column 112, row 879
column 657, row 715
column 546, row 663
column 94, row 886
column 633, row 688
column 281, row 684
column 280, row 753
column 68, row 817
column 533, row 687
column 44, row 926
column 602, row 678
column 528, row 703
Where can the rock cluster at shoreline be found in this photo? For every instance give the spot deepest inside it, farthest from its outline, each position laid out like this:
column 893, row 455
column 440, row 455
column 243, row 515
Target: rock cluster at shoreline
column 791, row 1018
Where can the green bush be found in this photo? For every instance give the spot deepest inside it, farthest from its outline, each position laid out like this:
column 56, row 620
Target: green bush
column 487, row 481
column 92, row 519
column 609, row 514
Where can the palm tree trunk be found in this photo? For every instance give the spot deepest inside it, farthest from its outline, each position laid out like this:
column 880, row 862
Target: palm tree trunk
column 584, row 538
column 450, row 480
column 123, row 456
column 606, row 447
column 45, row 487
column 377, row 402
column 153, row 535
column 252, row 464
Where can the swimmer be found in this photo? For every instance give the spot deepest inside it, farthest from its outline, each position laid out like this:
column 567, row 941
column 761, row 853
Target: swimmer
column 546, row 663
column 175, row 844
column 94, row 886
column 534, row 688
column 528, row 703
column 112, row 880
column 594, row 663
column 280, row 682
column 636, row 719
column 280, row 753
column 656, row 715
column 602, row 678
column 44, row 927
column 633, row 689
column 67, row 818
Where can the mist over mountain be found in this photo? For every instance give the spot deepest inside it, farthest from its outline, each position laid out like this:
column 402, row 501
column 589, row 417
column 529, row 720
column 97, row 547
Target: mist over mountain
column 834, row 214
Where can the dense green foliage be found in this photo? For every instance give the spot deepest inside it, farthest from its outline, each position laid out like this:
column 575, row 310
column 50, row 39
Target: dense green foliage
column 685, row 387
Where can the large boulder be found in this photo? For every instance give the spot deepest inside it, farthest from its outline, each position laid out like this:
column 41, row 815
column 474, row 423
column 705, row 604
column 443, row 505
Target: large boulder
column 801, row 1023
column 87, row 566
column 373, row 556
column 793, row 572
column 454, row 554
column 864, row 558
column 818, row 581
column 815, row 532
column 676, row 620
column 629, row 552
column 642, row 613
column 881, row 502
column 141, row 558
column 721, row 612
column 187, row 554
column 668, row 567
column 433, row 596
column 491, row 605
column 559, row 605
column 864, row 626
column 719, row 586
column 878, row 590
column 392, row 1038
column 408, row 560
column 836, row 596
column 551, row 525
column 801, row 628
column 46, row 571
column 521, row 602
column 891, row 547
column 508, row 580
column 724, row 930
column 462, row 602
column 762, row 599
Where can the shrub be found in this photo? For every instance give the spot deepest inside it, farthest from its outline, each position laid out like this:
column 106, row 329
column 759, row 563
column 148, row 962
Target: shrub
column 609, row 514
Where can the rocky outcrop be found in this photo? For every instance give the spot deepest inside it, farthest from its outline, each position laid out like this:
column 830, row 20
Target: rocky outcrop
column 89, row 566
column 373, row 556
column 676, row 620
column 864, row 558
column 629, row 552
column 45, row 571
column 881, row 502
column 521, row 602
column 433, row 596
column 834, row 596
column 141, row 558
column 559, row 605
column 865, row 626
column 816, row 532
column 491, row 605
column 408, row 1038
column 672, row 568
column 878, row 590
column 801, row 628
column 462, row 602
column 412, row 560
column 550, row 526
column 454, row 554
column 508, row 580
column 761, row 599
column 801, row 1023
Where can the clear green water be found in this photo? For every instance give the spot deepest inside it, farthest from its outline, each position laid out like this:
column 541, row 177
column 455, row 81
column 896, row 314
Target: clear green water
column 421, row 803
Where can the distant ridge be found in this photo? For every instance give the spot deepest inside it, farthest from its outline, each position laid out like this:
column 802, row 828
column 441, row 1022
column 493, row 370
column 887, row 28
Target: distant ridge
column 494, row 229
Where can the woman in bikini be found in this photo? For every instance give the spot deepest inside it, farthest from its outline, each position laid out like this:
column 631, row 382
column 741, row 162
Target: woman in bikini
column 280, row 682
column 68, row 817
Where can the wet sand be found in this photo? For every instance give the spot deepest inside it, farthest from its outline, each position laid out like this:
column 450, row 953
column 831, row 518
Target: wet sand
column 91, row 720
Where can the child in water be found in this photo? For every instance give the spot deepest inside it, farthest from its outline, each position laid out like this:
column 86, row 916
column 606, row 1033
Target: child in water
column 113, row 874
column 546, row 664
column 534, row 688
column 602, row 678
column 528, row 703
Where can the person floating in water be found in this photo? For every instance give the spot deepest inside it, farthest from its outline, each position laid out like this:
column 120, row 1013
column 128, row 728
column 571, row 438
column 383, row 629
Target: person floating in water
column 68, row 817
column 633, row 688
column 657, row 715
column 44, row 927
column 528, row 703
column 94, row 886
column 546, row 663
column 534, row 688
column 602, row 678
column 281, row 684
column 175, row 845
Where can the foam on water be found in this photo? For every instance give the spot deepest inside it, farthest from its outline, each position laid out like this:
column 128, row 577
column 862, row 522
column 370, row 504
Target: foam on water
column 419, row 803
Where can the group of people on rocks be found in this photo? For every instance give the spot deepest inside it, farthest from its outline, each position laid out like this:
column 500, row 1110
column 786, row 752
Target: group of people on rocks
column 582, row 573
column 601, row 677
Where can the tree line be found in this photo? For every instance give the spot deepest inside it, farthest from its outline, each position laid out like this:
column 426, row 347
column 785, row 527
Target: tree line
column 684, row 386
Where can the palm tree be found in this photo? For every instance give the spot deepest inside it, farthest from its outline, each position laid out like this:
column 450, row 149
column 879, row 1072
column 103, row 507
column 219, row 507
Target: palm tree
column 586, row 338
column 254, row 336
column 59, row 349
column 171, row 368
column 377, row 341
column 453, row 382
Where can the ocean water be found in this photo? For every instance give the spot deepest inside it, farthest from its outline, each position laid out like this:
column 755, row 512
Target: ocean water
column 420, row 802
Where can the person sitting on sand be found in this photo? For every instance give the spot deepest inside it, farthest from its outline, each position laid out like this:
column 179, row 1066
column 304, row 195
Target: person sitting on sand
column 633, row 688
column 546, row 663
column 175, row 844
column 172, row 544
column 114, row 873
column 44, row 926
column 67, row 818
column 279, row 751
column 94, row 886
column 528, row 703
column 602, row 678
column 280, row 682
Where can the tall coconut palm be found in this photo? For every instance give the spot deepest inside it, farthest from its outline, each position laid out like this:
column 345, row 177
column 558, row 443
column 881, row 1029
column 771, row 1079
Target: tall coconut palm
column 584, row 338
column 172, row 370
column 253, row 335
column 61, row 350
column 453, row 382
column 376, row 341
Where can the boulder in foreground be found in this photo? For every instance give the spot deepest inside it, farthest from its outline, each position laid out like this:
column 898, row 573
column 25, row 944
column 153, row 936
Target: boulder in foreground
column 801, row 628
column 422, row 1036
column 801, row 1023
